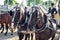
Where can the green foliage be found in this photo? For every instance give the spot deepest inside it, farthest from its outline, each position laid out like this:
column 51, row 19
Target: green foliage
column 37, row 1
column 34, row 2
column 10, row 2
column 28, row 3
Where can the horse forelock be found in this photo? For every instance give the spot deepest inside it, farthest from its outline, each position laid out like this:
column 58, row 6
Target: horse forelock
column 41, row 14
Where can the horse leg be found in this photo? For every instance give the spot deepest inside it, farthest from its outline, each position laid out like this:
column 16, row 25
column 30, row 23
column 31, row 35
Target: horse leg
column 2, row 27
column 6, row 30
column 11, row 30
column 32, row 36
column 21, row 35
column 27, row 36
column 53, row 36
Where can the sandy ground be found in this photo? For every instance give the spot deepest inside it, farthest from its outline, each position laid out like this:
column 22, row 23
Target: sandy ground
column 9, row 36
column 15, row 36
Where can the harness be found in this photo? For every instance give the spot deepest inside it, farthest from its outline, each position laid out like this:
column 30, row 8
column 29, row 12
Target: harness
column 44, row 27
column 41, row 29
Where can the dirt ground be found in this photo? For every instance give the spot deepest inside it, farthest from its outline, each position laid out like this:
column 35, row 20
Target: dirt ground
column 15, row 36
column 9, row 36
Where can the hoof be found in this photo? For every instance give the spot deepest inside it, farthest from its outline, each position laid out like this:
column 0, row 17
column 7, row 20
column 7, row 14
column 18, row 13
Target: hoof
column 11, row 34
column 5, row 34
column 2, row 32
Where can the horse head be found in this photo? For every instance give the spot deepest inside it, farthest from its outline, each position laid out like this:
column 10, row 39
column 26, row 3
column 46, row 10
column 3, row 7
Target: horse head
column 16, row 17
column 19, row 17
column 42, row 19
column 36, row 17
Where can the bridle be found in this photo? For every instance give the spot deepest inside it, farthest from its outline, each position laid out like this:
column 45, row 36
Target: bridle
column 40, row 29
column 43, row 28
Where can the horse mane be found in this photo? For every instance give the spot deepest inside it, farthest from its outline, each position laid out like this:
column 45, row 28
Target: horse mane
column 21, row 12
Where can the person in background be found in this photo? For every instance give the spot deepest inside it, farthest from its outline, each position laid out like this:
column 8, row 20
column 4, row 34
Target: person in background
column 52, row 10
column 59, row 8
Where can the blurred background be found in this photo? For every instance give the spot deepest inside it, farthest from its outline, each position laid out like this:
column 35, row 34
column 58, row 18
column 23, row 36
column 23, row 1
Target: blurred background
column 11, row 3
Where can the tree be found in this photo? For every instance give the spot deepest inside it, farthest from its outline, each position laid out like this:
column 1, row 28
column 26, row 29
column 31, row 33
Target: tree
column 10, row 2
column 33, row 2
column 29, row 2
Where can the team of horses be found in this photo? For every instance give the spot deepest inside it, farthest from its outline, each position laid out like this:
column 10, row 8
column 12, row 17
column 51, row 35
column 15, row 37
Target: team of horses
column 25, row 19
column 44, row 27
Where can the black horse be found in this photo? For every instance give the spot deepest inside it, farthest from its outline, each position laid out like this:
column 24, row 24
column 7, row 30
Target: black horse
column 20, row 20
column 39, row 22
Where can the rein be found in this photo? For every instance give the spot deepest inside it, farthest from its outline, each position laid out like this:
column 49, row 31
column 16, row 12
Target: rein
column 41, row 29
